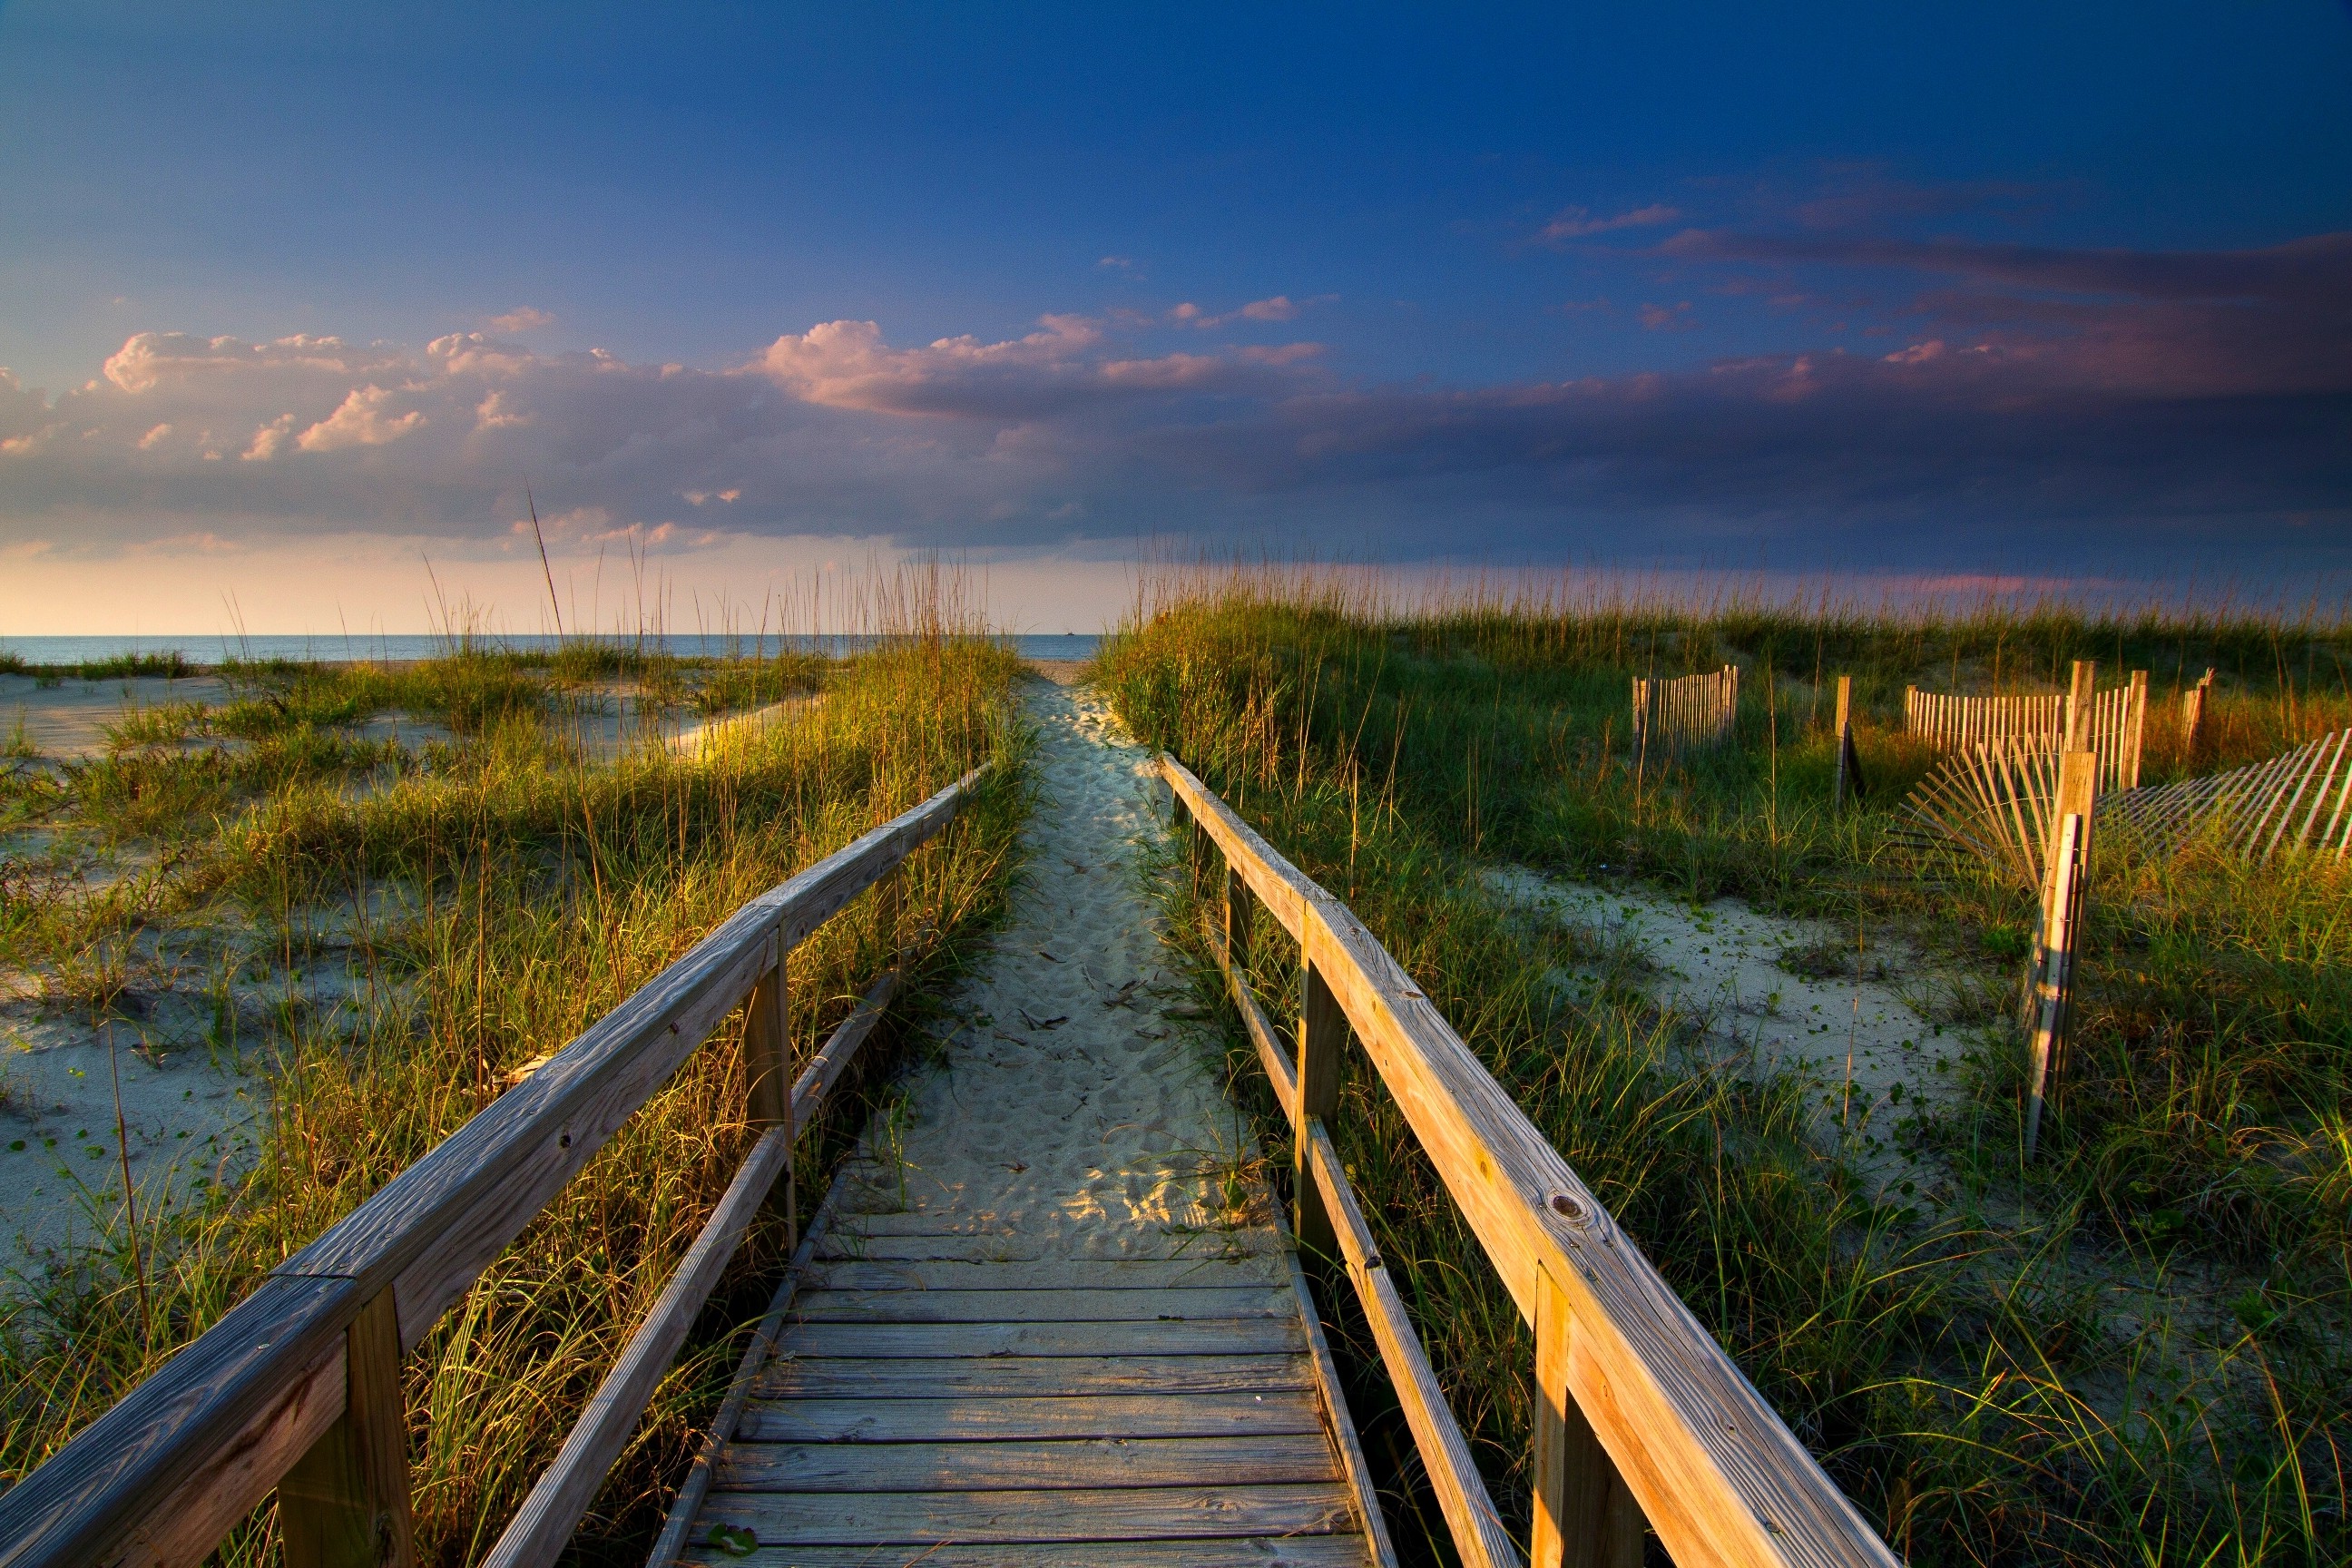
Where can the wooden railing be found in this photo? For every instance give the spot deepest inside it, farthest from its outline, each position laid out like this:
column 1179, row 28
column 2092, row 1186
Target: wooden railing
column 1639, row 1413
column 298, row 1389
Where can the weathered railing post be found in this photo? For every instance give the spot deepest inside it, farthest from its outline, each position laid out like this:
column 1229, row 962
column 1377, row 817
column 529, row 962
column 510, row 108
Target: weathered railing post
column 1240, row 920
column 1322, row 1044
column 768, row 1067
column 344, row 1503
column 2062, row 912
column 1584, row 1516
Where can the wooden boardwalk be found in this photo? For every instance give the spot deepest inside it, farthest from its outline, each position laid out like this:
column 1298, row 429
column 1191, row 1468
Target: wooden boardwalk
column 948, row 1388
column 1053, row 1329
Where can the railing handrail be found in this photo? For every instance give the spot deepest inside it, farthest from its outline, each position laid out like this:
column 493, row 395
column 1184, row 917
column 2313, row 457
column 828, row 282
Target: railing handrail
column 1719, row 1476
column 162, row 1476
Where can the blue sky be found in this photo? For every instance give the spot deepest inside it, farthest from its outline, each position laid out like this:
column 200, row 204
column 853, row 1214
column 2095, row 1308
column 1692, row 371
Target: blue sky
column 1922, row 290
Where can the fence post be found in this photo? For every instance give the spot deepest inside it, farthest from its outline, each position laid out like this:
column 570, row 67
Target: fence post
column 1849, row 764
column 2078, row 705
column 2062, row 913
column 1322, row 1039
column 768, row 1074
column 1584, row 1516
column 2192, row 711
column 344, row 1504
column 1240, row 907
column 2136, row 719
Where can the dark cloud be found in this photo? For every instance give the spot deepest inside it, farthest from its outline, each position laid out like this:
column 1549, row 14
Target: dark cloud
column 2097, row 405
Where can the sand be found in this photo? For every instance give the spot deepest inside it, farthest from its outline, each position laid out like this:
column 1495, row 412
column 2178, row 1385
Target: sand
column 70, row 719
column 1075, row 1109
column 1721, row 965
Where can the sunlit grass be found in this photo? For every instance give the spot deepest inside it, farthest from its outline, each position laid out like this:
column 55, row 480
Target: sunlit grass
column 2133, row 1351
column 484, row 900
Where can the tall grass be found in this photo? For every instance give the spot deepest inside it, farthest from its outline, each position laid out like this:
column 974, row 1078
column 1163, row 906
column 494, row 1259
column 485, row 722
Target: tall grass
column 2132, row 1353
column 481, row 901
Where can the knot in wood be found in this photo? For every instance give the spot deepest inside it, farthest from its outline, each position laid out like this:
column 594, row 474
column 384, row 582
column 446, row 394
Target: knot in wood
column 1571, row 1208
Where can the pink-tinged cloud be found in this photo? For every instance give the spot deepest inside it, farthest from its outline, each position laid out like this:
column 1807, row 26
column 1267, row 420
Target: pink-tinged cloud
column 522, row 319
column 1578, row 223
column 2270, row 321
column 1277, row 308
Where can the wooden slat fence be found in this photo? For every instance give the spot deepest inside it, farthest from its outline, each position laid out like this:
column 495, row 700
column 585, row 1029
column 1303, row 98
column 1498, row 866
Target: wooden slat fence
column 1691, row 711
column 1639, row 1413
column 2108, row 723
column 2300, row 800
column 298, row 1389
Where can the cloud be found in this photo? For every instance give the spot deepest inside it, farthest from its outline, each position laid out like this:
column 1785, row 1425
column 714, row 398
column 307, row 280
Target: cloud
column 361, row 419
column 1277, row 308
column 522, row 319
column 2271, row 322
column 2009, row 404
column 1577, row 223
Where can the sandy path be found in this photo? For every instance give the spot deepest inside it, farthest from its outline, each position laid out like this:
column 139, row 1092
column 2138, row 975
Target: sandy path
column 1074, row 1110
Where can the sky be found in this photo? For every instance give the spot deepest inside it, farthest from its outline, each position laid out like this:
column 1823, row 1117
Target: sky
column 304, row 308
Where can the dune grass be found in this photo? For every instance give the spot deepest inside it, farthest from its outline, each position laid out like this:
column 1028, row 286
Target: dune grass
column 2133, row 1351
column 385, row 932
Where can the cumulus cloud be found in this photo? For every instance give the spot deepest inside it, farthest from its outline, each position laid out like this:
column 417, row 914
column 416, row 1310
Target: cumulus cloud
column 362, row 419
column 522, row 319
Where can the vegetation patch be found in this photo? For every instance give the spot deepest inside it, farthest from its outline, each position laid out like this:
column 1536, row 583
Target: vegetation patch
column 387, row 931
column 2132, row 1350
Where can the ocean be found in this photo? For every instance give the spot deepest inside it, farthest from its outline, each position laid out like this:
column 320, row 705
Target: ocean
column 214, row 649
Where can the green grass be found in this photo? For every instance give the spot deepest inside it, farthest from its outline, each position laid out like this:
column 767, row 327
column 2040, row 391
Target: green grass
column 486, row 898
column 2133, row 1351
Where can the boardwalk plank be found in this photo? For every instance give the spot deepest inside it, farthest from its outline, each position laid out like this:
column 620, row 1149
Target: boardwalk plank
column 1088, row 1244
column 829, row 1377
column 1047, row 1274
column 1050, row 1306
column 1232, row 1551
column 964, row 1420
column 1297, row 1458
column 1206, row 1336
column 1150, row 1513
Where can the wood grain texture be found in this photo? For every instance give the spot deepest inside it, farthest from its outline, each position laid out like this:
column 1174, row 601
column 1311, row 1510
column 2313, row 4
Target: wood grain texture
column 996, row 1419
column 1251, row 1459
column 196, row 1447
column 1584, row 1517
column 1229, row 1551
column 1040, row 1306
column 543, row 1525
column 849, row 1243
column 941, row 1377
column 1470, row 1513
column 1338, row 1425
column 1714, row 1469
column 1322, row 1059
column 1204, row 1336
column 1159, row 1513
column 1047, row 1274
column 687, row 1502
column 346, row 1503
